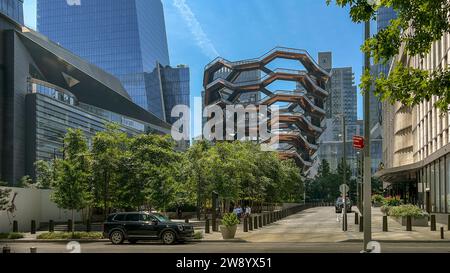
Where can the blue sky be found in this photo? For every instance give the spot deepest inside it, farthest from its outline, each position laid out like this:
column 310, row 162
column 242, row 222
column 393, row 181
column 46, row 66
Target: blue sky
column 198, row 30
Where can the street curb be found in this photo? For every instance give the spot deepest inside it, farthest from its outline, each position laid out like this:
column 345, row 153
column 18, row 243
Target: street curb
column 396, row 241
column 106, row 240
column 55, row 241
column 221, row 241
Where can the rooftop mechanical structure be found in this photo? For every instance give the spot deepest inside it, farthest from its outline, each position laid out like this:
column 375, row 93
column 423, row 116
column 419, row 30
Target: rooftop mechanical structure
column 301, row 111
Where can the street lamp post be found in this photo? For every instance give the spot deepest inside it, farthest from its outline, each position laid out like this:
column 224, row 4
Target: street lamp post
column 344, row 163
column 367, row 187
column 344, row 175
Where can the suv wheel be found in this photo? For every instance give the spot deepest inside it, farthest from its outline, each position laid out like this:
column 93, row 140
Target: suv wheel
column 116, row 237
column 168, row 237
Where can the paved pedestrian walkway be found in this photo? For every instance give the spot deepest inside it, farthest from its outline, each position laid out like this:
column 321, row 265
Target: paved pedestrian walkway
column 322, row 224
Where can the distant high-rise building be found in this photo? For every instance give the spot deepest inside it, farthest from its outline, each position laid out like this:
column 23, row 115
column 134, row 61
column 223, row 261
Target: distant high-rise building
column 13, row 9
column 342, row 100
column 126, row 38
column 173, row 85
column 384, row 17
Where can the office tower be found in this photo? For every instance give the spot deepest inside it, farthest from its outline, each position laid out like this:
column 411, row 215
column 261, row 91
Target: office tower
column 416, row 142
column 342, row 100
column 125, row 38
column 53, row 90
column 13, row 9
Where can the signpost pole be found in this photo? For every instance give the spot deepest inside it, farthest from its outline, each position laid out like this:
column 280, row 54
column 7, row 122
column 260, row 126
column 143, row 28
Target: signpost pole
column 344, row 163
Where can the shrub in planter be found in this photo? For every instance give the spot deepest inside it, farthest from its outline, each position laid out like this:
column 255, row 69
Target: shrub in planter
column 418, row 216
column 377, row 200
column 392, row 201
column 229, row 225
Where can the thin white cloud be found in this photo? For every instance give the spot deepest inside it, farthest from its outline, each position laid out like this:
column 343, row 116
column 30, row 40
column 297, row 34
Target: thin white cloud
column 200, row 36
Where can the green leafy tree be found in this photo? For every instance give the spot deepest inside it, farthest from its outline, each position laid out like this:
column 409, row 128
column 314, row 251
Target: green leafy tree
column 418, row 25
column 44, row 174
column 156, row 165
column 25, row 182
column 108, row 149
column 72, row 174
column 4, row 197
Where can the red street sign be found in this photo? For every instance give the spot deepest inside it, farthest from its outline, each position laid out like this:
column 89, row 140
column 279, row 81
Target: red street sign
column 358, row 142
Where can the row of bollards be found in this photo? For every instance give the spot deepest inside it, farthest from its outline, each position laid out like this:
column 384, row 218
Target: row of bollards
column 51, row 226
column 251, row 223
column 7, row 249
column 409, row 224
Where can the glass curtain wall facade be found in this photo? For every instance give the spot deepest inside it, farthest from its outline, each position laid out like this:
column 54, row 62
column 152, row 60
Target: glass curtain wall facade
column 434, row 186
column 52, row 110
column 125, row 38
column 13, row 8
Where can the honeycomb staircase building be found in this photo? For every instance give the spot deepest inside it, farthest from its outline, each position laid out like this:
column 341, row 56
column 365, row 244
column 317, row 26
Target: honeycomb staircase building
column 301, row 110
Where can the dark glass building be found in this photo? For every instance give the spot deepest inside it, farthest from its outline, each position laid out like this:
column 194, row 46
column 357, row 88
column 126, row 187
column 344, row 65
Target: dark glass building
column 125, row 38
column 13, row 9
column 384, row 17
column 45, row 90
column 171, row 88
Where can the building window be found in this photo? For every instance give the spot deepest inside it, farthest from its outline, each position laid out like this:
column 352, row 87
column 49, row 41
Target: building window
column 448, row 182
column 432, row 188
column 442, row 185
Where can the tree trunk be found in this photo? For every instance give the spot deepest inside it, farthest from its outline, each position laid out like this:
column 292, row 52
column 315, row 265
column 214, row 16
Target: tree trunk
column 73, row 223
column 105, row 176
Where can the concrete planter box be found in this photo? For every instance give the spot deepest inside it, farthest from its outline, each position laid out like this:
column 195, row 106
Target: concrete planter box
column 415, row 221
column 228, row 232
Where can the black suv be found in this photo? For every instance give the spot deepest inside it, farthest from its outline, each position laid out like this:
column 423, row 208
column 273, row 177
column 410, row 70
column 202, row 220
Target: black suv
column 134, row 226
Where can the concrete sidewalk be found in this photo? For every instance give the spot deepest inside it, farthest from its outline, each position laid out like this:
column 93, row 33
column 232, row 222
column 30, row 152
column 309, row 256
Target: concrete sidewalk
column 322, row 225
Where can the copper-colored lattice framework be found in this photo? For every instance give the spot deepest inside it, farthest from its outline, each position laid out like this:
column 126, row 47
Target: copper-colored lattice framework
column 300, row 123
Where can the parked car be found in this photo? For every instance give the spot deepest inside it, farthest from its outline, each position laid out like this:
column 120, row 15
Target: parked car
column 136, row 226
column 340, row 205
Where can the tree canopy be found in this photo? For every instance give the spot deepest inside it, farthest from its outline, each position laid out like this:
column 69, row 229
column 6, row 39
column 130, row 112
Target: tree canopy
column 419, row 24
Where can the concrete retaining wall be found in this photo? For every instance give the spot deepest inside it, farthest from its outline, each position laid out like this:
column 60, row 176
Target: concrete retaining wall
column 33, row 204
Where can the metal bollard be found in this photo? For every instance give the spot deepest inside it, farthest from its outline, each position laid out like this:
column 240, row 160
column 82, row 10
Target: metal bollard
column 264, row 219
column 385, row 223
column 6, row 250
column 448, row 222
column 250, row 223
column 207, row 225
column 186, row 220
column 433, row 222
column 361, row 224
column 214, row 224
column 33, row 249
column 88, row 225
column 442, row 233
column 408, row 223
column 255, row 223
column 356, row 218
column 15, row 226
column 245, row 224
column 69, row 225
column 260, row 221
column 33, row 227
column 51, row 226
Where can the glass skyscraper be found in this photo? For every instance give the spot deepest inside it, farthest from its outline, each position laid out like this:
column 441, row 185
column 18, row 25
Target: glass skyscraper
column 127, row 38
column 384, row 17
column 13, row 8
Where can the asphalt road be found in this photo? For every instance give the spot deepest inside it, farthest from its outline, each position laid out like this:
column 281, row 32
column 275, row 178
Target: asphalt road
column 341, row 247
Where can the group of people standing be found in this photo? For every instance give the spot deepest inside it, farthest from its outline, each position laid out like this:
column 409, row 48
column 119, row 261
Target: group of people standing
column 241, row 212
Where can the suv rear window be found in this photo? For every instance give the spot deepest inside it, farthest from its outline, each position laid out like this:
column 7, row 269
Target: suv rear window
column 119, row 217
column 133, row 217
